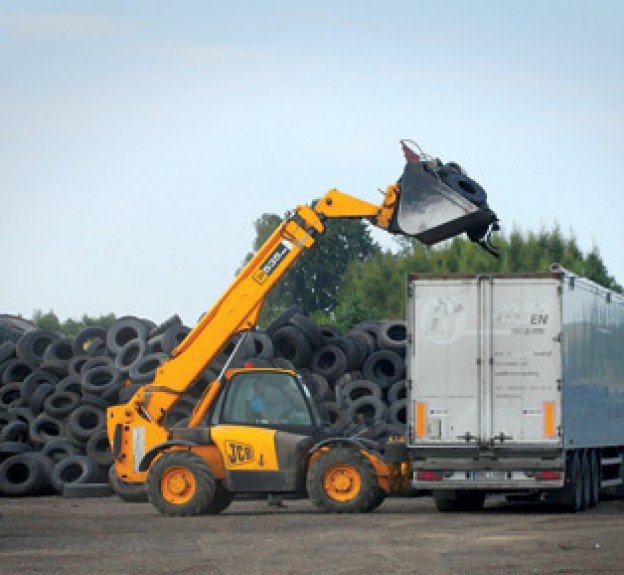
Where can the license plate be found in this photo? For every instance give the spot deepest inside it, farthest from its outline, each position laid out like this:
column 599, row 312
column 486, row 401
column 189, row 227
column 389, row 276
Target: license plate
column 488, row 475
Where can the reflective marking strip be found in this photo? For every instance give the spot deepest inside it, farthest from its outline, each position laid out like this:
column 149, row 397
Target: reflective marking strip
column 421, row 419
column 549, row 419
column 138, row 446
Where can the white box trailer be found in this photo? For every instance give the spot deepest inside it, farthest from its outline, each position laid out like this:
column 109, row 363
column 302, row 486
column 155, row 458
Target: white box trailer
column 515, row 385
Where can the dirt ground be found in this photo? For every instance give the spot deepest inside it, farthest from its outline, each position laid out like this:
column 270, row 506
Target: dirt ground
column 105, row 535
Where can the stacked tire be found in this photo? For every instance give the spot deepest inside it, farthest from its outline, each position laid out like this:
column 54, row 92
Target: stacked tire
column 359, row 376
column 54, row 391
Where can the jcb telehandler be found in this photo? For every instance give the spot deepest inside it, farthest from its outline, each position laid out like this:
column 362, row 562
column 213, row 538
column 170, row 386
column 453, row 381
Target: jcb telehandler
column 237, row 443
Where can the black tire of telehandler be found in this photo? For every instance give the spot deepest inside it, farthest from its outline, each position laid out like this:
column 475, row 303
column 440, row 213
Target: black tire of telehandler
column 221, row 500
column 380, row 497
column 128, row 492
column 334, row 473
column 203, row 489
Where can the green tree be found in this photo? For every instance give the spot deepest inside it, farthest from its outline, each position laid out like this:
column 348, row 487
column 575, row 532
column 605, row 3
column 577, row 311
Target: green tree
column 375, row 289
column 70, row 327
column 313, row 281
column 47, row 321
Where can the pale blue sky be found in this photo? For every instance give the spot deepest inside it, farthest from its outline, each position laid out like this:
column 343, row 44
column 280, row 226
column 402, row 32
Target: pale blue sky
column 139, row 140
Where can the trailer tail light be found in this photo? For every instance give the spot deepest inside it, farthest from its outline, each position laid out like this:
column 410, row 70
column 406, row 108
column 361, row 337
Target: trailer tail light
column 548, row 475
column 429, row 475
column 420, row 417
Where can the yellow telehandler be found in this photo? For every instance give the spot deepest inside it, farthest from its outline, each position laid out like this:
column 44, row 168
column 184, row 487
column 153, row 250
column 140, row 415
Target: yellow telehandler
column 257, row 430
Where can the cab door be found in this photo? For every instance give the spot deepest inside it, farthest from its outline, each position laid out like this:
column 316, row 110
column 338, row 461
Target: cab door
column 264, row 452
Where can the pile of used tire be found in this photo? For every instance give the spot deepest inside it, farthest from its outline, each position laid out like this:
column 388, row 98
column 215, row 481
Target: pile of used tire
column 54, row 391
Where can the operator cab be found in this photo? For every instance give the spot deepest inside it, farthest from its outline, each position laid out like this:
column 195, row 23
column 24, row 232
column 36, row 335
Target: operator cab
column 272, row 398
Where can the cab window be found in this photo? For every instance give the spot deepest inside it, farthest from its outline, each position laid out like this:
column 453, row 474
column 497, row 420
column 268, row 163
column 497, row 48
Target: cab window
column 265, row 398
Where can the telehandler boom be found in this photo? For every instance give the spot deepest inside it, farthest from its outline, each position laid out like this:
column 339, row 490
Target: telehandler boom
column 228, row 447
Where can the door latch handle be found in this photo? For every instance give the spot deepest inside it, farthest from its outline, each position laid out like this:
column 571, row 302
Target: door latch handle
column 468, row 437
column 501, row 437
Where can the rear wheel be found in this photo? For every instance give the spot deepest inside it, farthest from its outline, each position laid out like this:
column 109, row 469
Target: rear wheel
column 342, row 480
column 221, row 500
column 586, row 471
column 595, row 479
column 181, row 483
column 574, row 487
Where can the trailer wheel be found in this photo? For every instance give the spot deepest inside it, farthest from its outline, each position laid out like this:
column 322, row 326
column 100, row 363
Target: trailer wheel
column 342, row 480
column 445, row 501
column 587, row 479
column 181, row 483
column 594, row 461
column 574, row 481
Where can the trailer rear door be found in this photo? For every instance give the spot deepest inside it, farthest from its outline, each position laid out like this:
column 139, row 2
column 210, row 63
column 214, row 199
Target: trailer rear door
column 484, row 365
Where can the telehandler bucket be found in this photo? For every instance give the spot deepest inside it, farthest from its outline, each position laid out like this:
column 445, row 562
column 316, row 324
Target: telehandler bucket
column 439, row 201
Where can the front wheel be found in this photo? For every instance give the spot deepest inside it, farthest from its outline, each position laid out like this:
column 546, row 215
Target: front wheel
column 181, row 483
column 342, row 480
